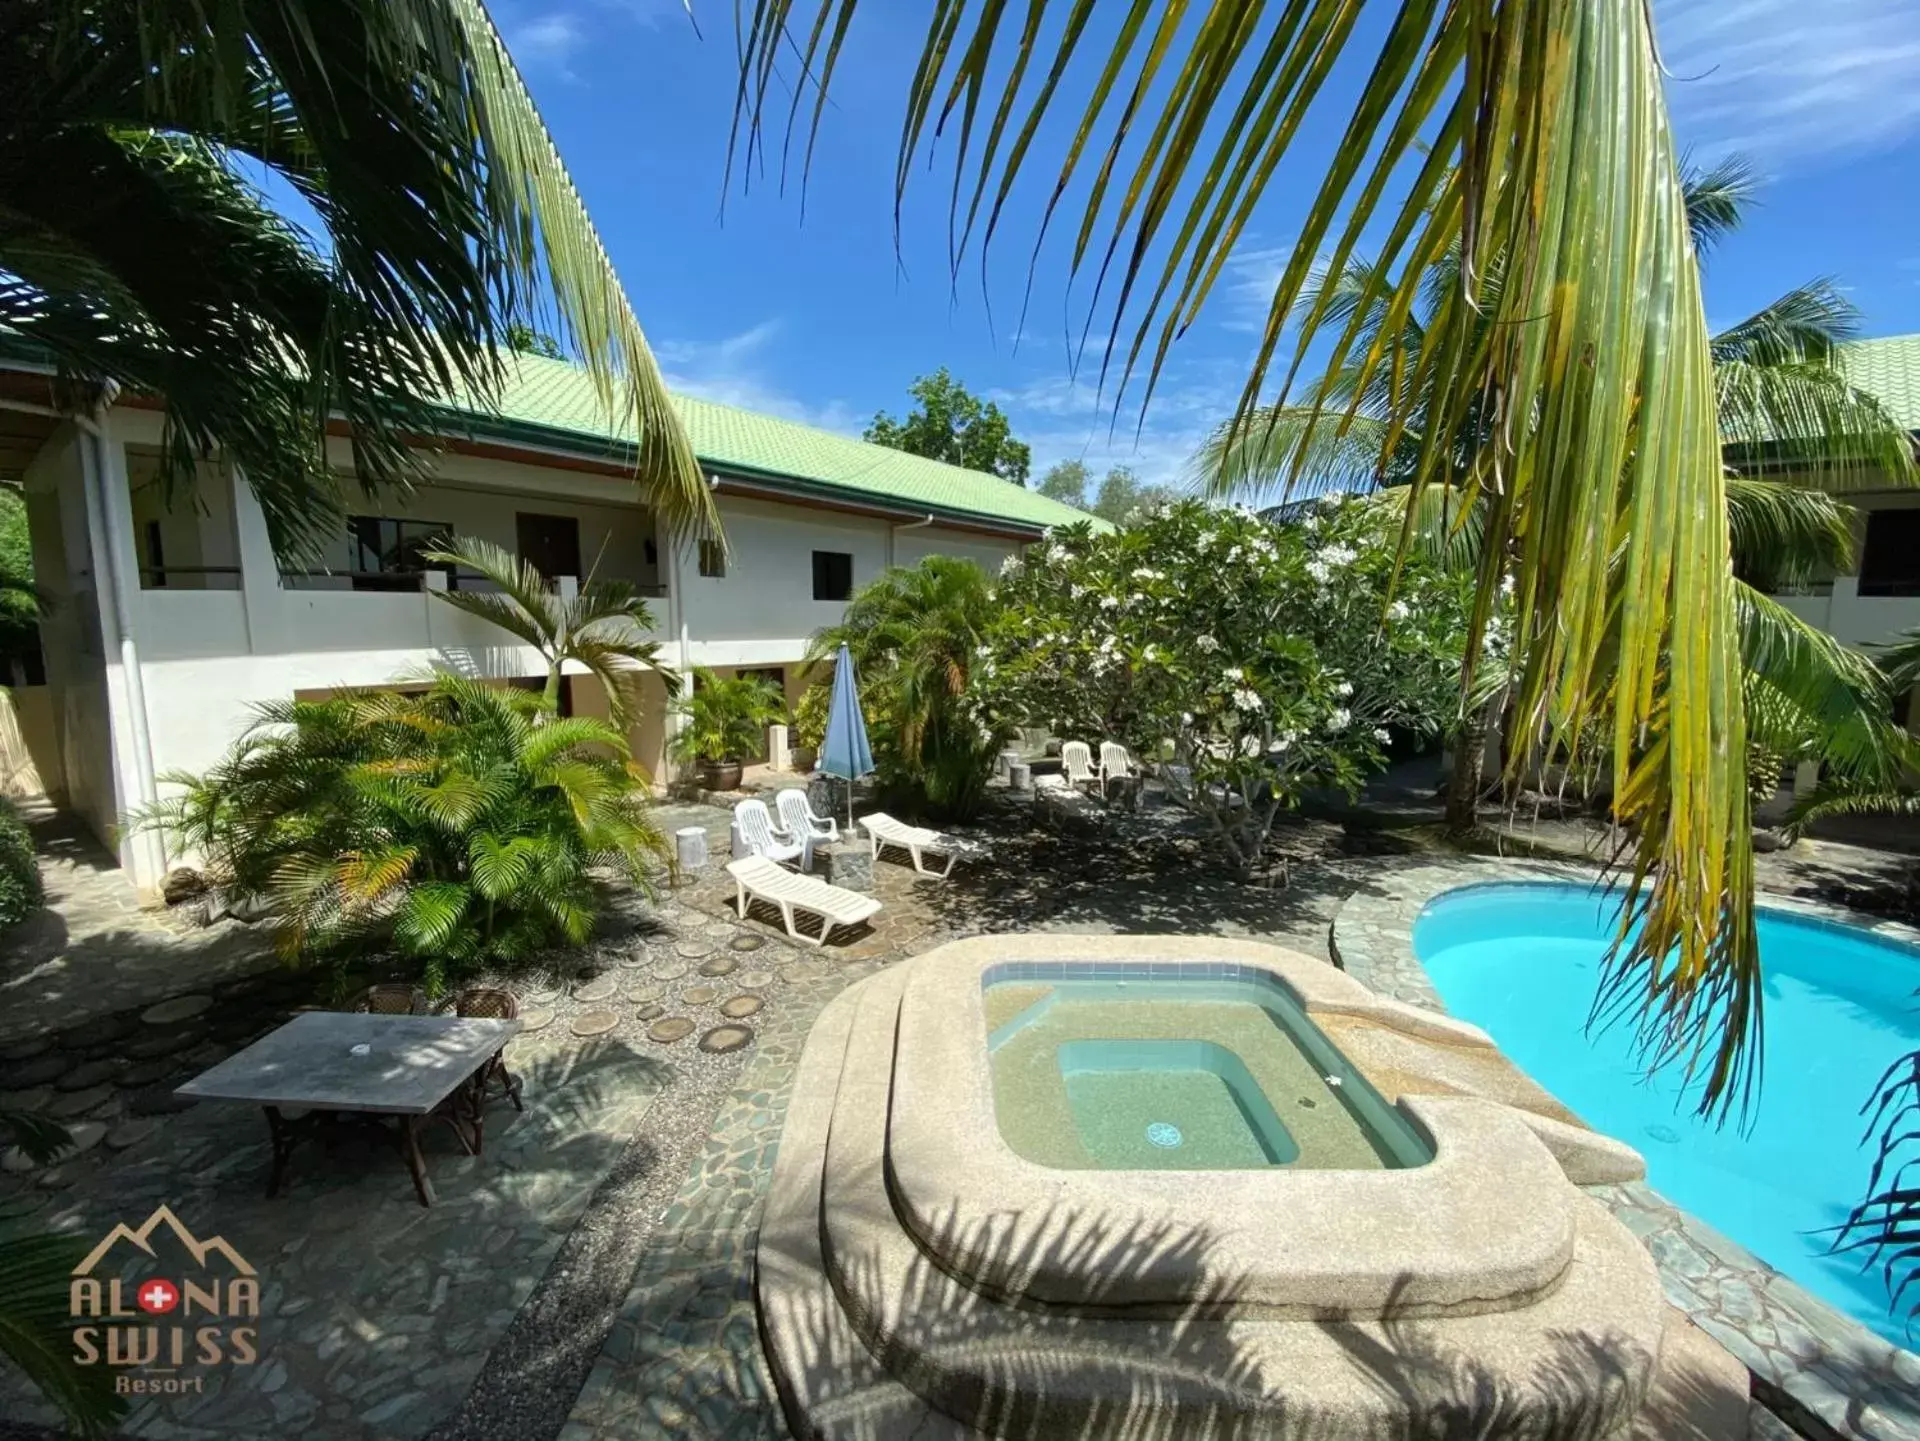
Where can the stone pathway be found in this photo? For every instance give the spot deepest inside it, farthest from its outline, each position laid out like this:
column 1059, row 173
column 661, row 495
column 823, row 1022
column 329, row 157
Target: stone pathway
column 92, row 949
column 1808, row 1359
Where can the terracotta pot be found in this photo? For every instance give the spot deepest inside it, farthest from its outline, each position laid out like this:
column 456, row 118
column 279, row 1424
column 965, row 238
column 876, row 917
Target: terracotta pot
column 720, row 775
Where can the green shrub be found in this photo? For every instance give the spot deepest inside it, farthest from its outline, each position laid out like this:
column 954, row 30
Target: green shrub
column 452, row 829
column 726, row 719
column 19, row 870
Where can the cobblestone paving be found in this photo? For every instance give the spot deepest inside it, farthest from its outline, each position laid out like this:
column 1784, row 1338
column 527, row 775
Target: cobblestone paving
column 1806, row 1356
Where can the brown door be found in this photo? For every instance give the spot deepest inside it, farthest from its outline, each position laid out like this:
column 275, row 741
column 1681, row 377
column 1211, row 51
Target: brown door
column 550, row 542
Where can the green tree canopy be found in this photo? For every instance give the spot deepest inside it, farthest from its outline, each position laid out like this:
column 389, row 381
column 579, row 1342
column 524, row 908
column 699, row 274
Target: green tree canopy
column 1066, row 482
column 1123, row 496
column 19, row 611
column 949, row 422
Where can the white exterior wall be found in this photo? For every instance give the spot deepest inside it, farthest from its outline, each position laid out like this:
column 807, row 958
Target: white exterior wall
column 209, row 654
column 1850, row 617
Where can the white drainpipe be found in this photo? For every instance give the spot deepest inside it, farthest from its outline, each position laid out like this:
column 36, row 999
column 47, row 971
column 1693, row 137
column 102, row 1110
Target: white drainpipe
column 894, row 530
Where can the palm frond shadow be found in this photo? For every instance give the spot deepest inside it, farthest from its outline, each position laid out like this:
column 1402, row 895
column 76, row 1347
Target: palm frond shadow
column 1016, row 1369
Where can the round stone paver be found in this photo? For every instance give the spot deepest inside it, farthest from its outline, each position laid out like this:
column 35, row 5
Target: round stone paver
column 103, row 1031
column 754, row 980
column 740, row 1007
column 808, row 971
column 36, row 1072
column 693, row 949
column 78, row 1103
column 595, row 1023
column 163, row 1042
column 540, row 994
column 86, row 1136
column 651, row 1011
column 25, row 1101
column 600, row 988
column 700, row 995
column 145, row 1073
column 672, row 971
column 90, row 1073
column 180, row 1008
column 722, row 1039
column 24, row 1049
column 746, row 941
column 651, row 991
column 719, row 966
column 16, row 1163
column 673, row 1028
column 130, row 1133
column 158, row 1101
column 636, row 958
column 538, row 1019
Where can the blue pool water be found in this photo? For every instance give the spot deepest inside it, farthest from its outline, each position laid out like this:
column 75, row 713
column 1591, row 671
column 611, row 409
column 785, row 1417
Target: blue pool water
column 1523, row 962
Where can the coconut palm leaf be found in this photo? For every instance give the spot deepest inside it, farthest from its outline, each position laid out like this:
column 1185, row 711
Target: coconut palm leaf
column 1783, row 534
column 1272, row 456
column 36, row 1329
column 1533, row 137
column 133, row 250
column 1718, row 198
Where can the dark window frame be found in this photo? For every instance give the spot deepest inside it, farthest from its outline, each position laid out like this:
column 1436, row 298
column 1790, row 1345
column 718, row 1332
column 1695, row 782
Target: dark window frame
column 713, row 560
column 833, row 575
column 381, row 564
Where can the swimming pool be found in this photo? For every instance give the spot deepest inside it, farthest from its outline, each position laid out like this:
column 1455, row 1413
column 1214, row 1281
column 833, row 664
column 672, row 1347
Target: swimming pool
column 1523, row 960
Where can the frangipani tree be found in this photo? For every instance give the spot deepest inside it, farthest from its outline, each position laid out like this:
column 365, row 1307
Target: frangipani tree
column 1267, row 658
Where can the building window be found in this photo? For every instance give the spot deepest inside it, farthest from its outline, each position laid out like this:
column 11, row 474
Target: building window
column 155, row 576
column 832, row 575
column 1890, row 560
column 713, row 559
column 549, row 543
column 385, row 554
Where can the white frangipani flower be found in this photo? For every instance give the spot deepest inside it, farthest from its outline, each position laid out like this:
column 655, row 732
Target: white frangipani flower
column 1344, row 689
column 1399, row 610
column 1233, row 672
column 1246, row 699
column 1340, row 719
column 1207, row 644
column 1381, row 734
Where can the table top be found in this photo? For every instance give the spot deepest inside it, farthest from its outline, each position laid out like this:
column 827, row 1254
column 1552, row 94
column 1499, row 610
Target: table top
column 412, row 1064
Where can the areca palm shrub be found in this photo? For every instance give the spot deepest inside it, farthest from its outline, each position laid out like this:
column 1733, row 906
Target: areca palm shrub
column 450, row 830
column 912, row 633
column 1274, row 658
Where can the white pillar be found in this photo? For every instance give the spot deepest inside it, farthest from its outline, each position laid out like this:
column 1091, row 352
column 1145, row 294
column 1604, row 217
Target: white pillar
column 260, row 588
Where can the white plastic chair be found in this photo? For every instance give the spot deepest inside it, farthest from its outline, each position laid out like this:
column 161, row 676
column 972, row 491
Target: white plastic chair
column 761, row 837
column 1115, row 763
column 1076, row 763
column 797, row 817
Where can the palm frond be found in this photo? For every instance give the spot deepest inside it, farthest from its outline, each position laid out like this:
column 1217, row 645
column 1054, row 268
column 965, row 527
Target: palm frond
column 1534, row 139
column 1837, row 698
column 1784, row 534
column 1292, row 451
column 1717, row 198
column 36, row 1329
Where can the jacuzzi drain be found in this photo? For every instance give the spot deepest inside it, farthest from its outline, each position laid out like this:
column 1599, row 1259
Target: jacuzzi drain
column 1164, row 1134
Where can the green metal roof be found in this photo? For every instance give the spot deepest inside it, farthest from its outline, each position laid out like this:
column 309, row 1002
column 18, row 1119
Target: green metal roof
column 1889, row 369
column 557, row 402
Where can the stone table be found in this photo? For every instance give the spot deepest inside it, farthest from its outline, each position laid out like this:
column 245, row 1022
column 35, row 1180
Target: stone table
column 326, row 1062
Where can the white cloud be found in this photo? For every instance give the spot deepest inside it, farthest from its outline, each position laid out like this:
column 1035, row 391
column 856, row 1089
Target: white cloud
column 1066, row 418
column 737, row 370
column 547, row 42
column 1787, row 81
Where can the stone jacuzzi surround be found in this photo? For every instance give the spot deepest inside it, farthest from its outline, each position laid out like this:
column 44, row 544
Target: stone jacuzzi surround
column 916, row 1277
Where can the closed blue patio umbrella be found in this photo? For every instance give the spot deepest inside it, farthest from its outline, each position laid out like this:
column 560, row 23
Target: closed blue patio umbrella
column 846, row 752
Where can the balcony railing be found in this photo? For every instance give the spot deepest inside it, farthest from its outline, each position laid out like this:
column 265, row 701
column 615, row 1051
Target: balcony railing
column 189, row 577
column 404, row 581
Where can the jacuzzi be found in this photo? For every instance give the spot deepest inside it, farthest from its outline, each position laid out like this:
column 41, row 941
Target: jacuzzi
column 1045, row 1186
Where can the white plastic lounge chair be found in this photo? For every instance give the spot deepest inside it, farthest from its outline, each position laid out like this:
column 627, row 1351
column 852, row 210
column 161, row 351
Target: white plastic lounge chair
column 761, row 837
column 797, row 818
column 759, row 877
column 1115, row 763
column 1076, row 763
column 916, row 841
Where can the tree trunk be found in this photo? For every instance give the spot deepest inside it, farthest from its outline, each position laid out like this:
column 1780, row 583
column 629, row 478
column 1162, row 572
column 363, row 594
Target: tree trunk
column 1469, row 769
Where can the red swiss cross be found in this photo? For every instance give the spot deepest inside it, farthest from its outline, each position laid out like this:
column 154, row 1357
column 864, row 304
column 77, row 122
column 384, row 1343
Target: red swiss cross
column 157, row 1296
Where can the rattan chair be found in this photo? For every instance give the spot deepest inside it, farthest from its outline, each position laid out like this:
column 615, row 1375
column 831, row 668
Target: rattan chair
column 392, row 999
column 487, row 1003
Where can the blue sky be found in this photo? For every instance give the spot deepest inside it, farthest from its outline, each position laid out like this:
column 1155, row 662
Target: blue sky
column 813, row 314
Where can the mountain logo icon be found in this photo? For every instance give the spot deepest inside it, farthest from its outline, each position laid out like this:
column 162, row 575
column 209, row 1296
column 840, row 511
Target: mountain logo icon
column 142, row 1238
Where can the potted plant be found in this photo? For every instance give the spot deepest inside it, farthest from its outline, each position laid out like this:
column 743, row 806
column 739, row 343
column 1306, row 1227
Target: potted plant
column 810, row 724
column 722, row 723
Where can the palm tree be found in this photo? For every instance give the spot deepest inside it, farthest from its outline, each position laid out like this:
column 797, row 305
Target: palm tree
column 137, row 251
column 912, row 633
column 1533, row 137
column 1783, row 397
column 603, row 627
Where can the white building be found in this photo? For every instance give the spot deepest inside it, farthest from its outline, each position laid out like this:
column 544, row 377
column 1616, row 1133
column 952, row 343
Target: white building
column 1881, row 598
column 170, row 621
